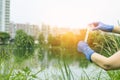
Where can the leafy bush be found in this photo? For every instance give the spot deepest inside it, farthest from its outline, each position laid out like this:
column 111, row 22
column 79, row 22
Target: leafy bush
column 54, row 40
column 24, row 44
column 4, row 37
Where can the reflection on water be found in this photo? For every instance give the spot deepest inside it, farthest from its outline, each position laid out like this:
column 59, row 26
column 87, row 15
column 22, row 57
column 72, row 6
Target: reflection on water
column 58, row 64
column 56, row 53
column 77, row 63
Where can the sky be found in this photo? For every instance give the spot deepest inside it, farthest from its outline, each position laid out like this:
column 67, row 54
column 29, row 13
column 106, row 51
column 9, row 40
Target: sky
column 65, row 13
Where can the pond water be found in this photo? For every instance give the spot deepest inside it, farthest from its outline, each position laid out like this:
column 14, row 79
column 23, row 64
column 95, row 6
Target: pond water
column 59, row 64
column 53, row 73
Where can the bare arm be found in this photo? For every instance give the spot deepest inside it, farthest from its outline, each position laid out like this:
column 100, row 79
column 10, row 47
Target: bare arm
column 116, row 29
column 109, row 63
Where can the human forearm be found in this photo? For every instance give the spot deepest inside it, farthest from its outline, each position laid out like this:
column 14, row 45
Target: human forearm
column 100, row 60
column 109, row 63
column 116, row 29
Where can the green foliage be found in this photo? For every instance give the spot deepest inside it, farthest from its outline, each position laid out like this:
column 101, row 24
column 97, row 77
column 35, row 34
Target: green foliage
column 105, row 43
column 25, row 74
column 114, row 75
column 4, row 54
column 4, row 37
column 23, row 40
column 54, row 40
column 41, row 39
column 24, row 44
column 22, row 74
column 95, row 40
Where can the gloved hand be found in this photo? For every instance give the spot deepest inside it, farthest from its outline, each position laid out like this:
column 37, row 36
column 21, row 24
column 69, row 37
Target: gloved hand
column 85, row 49
column 102, row 26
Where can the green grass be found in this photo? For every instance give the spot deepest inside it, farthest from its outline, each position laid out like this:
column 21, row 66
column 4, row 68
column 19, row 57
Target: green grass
column 114, row 75
column 65, row 71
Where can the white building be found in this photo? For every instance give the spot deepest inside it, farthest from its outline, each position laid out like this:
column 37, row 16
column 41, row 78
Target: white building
column 4, row 15
column 32, row 30
column 55, row 31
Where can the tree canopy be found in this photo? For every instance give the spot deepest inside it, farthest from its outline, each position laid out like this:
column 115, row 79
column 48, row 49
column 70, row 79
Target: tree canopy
column 4, row 37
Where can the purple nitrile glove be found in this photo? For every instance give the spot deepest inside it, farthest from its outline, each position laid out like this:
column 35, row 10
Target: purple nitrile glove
column 102, row 26
column 85, row 49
